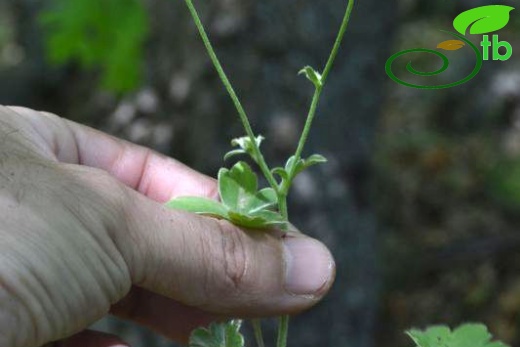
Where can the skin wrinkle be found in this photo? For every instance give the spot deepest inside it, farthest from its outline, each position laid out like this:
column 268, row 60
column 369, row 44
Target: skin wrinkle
column 99, row 224
column 26, row 309
column 74, row 143
column 144, row 181
column 63, row 124
column 20, row 188
column 235, row 263
column 207, row 263
column 14, row 298
column 44, row 144
column 108, row 248
column 96, row 282
column 109, row 292
column 36, row 245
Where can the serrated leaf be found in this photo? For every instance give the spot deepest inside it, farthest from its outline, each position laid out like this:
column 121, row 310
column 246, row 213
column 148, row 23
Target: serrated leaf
column 218, row 335
column 312, row 75
column 435, row 336
column 237, row 186
column 245, row 147
column 466, row 335
column 483, row 19
column 198, row 205
column 451, row 45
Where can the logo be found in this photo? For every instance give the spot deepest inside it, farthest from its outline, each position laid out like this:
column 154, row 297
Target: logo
column 480, row 21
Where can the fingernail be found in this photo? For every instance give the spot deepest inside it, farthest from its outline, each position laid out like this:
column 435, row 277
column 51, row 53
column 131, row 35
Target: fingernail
column 309, row 266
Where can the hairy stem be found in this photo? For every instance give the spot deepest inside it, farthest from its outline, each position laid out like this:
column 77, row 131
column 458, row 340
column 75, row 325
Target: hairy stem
column 241, row 112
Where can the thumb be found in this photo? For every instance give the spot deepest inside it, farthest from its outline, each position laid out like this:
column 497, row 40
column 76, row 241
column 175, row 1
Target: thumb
column 216, row 266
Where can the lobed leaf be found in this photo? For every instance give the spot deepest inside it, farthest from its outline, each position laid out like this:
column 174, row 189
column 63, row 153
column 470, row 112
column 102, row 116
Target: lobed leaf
column 218, row 335
column 466, row 335
column 237, row 186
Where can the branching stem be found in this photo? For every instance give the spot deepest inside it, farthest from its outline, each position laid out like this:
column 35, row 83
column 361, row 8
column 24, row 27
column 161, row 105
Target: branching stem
column 317, row 94
column 283, row 189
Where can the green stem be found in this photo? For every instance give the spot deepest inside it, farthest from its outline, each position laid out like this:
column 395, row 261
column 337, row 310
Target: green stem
column 283, row 329
column 241, row 112
column 317, row 94
column 282, row 205
column 257, row 327
column 283, row 326
column 337, row 43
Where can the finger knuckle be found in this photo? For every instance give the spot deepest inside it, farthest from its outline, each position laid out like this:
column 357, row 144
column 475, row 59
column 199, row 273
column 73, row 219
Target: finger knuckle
column 231, row 259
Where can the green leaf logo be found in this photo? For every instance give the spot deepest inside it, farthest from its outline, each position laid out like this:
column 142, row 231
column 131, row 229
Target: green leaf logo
column 483, row 19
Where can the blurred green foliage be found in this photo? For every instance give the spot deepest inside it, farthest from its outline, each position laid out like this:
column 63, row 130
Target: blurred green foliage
column 505, row 183
column 98, row 34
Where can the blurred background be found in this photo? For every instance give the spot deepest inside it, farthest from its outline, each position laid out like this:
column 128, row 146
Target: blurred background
column 420, row 199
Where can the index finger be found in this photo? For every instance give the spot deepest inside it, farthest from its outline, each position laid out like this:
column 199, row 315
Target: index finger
column 156, row 176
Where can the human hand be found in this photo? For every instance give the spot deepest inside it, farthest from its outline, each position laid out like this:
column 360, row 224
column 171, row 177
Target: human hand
column 83, row 233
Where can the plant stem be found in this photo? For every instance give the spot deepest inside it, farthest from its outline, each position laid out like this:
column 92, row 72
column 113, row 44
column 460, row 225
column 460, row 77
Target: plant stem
column 283, row 329
column 257, row 327
column 281, row 191
column 241, row 112
column 317, row 94
column 283, row 325
column 337, row 43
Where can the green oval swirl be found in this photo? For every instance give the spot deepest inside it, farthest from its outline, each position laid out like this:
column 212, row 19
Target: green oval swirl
column 445, row 64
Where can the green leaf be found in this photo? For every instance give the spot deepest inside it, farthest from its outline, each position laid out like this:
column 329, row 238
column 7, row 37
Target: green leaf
column 199, row 205
column 466, row 335
column 245, row 147
column 259, row 220
column 107, row 36
column 233, row 153
column 435, row 336
column 483, row 19
column 312, row 75
column 303, row 164
column 314, row 160
column 282, row 173
column 237, row 186
column 218, row 335
column 271, row 218
column 264, row 199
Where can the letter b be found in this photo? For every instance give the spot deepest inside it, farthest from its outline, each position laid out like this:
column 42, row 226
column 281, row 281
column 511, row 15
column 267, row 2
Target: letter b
column 497, row 44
